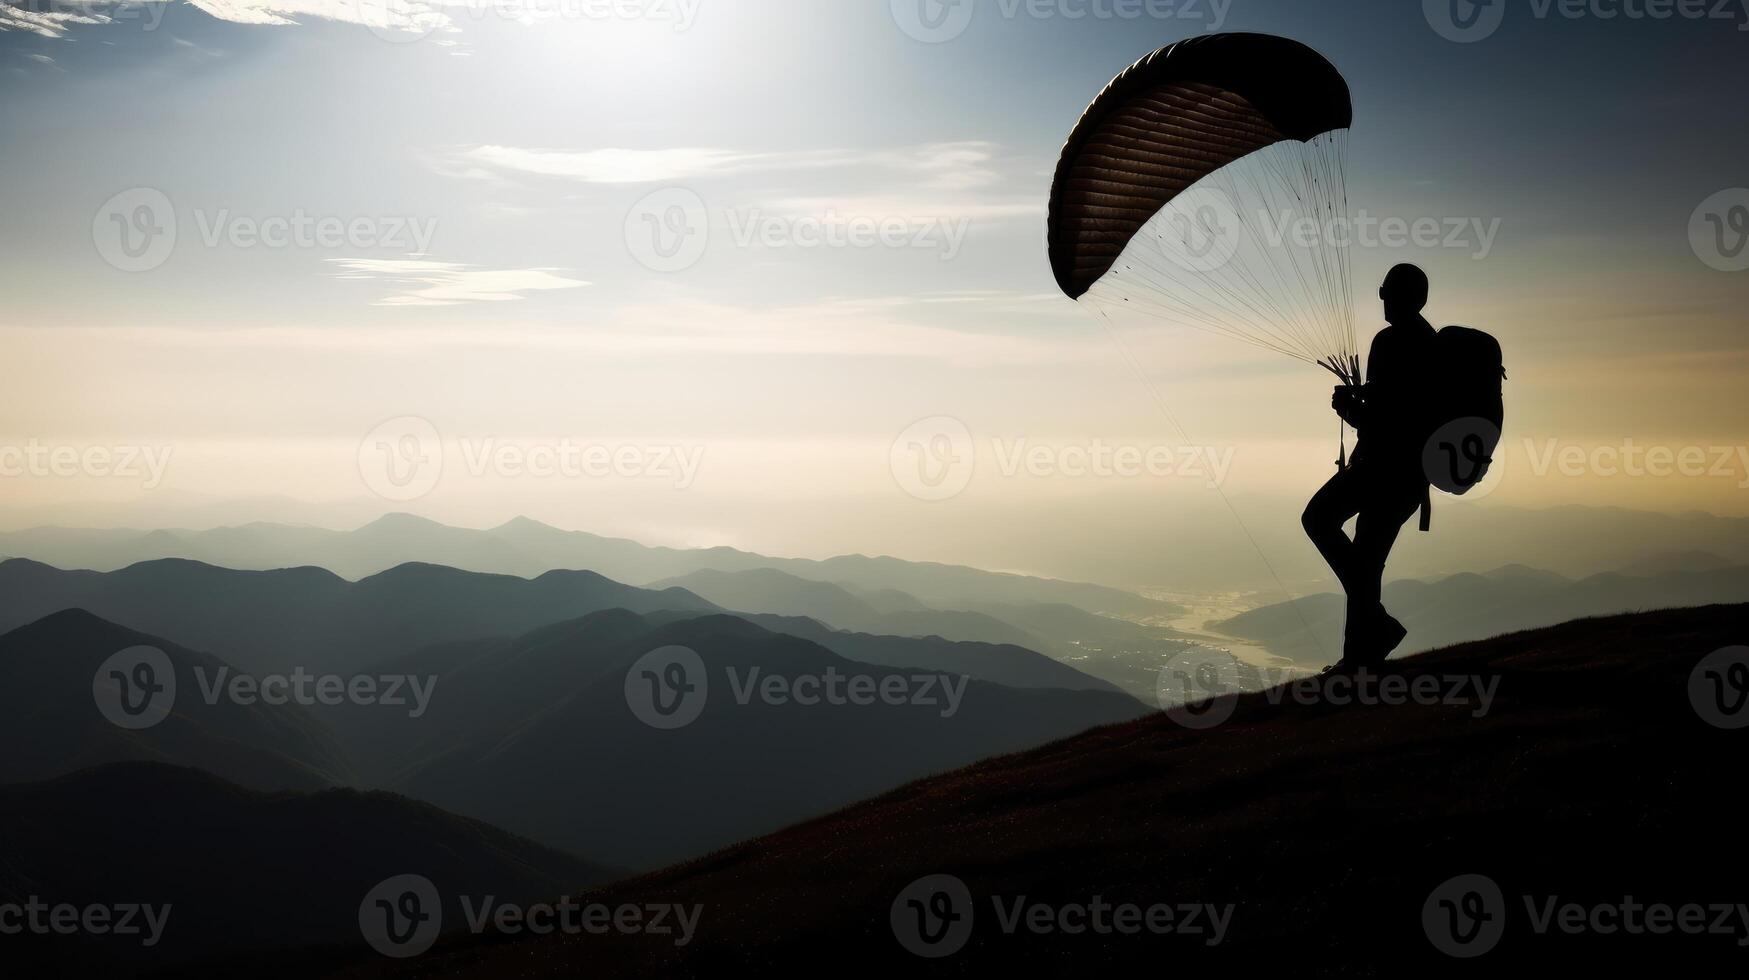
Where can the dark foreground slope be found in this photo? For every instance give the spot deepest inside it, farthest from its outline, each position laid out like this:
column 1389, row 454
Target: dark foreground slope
column 239, row 870
column 1327, row 827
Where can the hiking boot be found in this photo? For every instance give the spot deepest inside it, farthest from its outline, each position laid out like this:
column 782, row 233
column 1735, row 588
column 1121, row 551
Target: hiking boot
column 1385, row 636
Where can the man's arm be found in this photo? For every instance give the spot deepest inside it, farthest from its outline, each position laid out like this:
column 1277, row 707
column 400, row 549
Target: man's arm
column 1351, row 401
column 1346, row 401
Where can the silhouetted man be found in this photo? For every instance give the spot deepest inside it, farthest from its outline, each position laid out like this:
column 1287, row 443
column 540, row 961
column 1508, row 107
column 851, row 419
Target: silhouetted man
column 1384, row 483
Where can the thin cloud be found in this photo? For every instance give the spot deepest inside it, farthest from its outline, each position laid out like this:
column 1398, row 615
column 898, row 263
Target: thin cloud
column 958, row 181
column 951, row 166
column 620, row 166
column 48, row 23
column 916, row 208
column 409, row 17
column 423, row 282
column 397, row 16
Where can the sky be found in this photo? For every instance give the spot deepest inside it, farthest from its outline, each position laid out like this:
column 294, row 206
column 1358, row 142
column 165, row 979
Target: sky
column 771, row 273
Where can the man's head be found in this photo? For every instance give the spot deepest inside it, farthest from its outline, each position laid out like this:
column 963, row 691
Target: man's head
column 1404, row 293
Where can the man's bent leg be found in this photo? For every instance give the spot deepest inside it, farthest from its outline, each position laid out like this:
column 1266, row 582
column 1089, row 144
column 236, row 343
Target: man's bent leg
column 1339, row 499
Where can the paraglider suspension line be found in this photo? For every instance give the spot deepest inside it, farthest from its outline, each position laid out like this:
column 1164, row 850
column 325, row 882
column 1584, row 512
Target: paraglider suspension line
column 1347, row 372
column 1160, row 402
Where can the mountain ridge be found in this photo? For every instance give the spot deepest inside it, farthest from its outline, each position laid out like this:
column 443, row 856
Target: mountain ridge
column 51, row 725
column 533, row 547
column 272, row 621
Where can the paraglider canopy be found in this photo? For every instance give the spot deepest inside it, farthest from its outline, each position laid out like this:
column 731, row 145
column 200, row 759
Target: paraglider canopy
column 1170, row 120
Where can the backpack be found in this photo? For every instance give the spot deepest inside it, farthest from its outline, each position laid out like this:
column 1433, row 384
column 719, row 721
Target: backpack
column 1466, row 412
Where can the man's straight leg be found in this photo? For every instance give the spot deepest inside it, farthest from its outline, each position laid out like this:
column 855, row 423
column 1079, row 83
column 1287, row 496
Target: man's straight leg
column 1375, row 533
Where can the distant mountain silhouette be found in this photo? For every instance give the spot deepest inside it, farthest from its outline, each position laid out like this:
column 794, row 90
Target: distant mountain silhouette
column 528, row 548
column 273, row 621
column 1470, row 607
column 489, row 684
column 1123, row 653
column 241, row 870
column 488, row 687
column 50, row 724
column 1676, row 561
column 1069, row 629
column 767, row 590
column 887, row 600
column 536, row 731
column 995, row 662
column 538, row 736
column 1327, row 826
